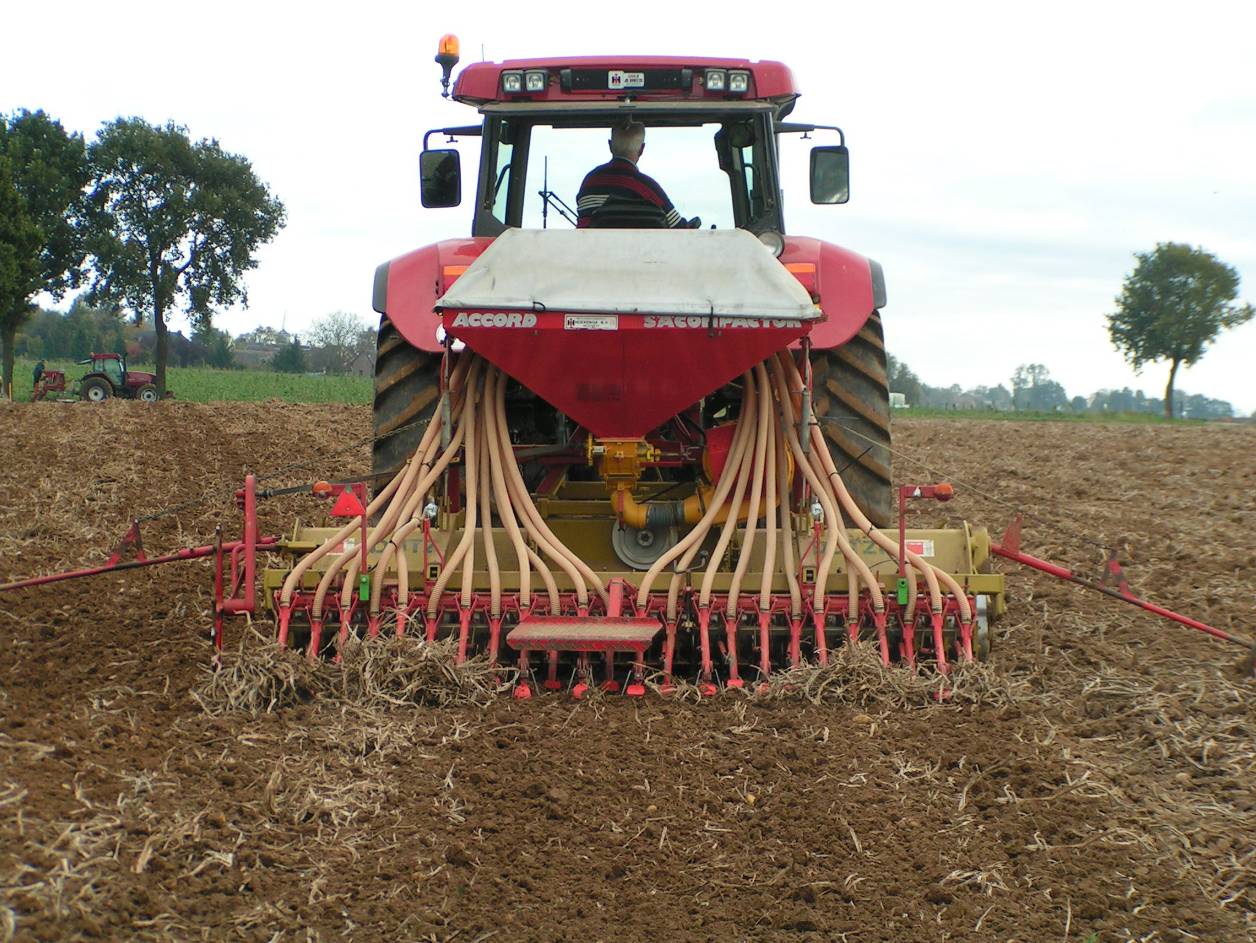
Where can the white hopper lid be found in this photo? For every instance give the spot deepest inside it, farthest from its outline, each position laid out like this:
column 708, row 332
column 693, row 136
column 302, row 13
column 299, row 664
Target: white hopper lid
column 719, row 272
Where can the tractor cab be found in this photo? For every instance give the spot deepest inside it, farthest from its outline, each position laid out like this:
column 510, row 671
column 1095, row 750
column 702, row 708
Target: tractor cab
column 110, row 366
column 711, row 129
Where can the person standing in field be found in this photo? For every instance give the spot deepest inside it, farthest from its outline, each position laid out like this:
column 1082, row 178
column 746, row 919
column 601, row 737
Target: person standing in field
column 39, row 371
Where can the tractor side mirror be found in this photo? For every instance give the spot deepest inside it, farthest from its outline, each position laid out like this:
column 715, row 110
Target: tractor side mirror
column 440, row 178
column 830, row 174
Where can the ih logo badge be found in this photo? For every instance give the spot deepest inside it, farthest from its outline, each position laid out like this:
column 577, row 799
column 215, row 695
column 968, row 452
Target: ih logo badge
column 616, row 79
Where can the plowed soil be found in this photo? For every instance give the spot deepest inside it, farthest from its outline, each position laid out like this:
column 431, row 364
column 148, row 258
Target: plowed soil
column 1108, row 791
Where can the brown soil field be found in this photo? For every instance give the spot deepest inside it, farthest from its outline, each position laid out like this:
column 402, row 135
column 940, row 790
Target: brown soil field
column 1101, row 786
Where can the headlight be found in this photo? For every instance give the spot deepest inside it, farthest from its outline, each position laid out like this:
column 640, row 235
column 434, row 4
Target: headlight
column 512, row 82
column 716, row 80
column 739, row 82
column 774, row 241
column 535, row 81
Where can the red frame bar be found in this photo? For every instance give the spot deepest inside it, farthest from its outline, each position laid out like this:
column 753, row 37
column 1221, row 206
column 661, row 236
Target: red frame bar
column 187, row 553
column 1062, row 573
column 243, row 572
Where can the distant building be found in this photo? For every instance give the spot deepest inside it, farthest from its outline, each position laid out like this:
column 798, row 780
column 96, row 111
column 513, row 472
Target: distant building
column 898, row 401
column 363, row 365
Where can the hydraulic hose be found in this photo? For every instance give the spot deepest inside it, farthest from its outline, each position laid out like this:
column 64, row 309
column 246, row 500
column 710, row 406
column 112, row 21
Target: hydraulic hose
column 577, row 571
column 412, row 512
column 486, row 517
column 766, row 415
column 931, row 573
column 771, row 496
column 730, row 524
column 835, row 536
column 787, row 527
column 411, row 518
column 351, row 558
column 396, row 543
column 501, row 497
column 688, row 545
column 465, row 549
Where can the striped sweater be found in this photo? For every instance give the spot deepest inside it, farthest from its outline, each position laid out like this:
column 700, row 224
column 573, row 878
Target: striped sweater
column 617, row 195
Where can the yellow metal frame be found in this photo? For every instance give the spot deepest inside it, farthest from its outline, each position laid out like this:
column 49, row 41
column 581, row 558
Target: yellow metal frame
column 580, row 517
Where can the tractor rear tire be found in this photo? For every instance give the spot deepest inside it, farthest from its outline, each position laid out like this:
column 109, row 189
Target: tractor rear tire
column 851, row 401
column 407, row 389
column 95, row 390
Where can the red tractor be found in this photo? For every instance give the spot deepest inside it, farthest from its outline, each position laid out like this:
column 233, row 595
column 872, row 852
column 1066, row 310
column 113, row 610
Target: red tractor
column 109, row 376
column 716, row 147
column 634, row 438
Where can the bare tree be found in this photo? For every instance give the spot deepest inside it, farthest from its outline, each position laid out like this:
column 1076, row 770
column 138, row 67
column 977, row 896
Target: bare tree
column 342, row 336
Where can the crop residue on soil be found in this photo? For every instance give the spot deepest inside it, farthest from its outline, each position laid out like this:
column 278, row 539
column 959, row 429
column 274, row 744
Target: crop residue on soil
column 1097, row 778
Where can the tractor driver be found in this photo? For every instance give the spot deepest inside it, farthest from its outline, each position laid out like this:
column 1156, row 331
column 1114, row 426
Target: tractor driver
column 617, row 195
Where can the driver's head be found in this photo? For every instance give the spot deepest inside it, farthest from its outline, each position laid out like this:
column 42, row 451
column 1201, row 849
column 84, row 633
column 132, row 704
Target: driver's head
column 628, row 141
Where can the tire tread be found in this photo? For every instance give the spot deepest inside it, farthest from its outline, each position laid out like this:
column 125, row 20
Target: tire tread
column 852, row 403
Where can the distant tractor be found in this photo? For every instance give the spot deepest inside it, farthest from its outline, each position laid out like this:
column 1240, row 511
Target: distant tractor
column 109, row 376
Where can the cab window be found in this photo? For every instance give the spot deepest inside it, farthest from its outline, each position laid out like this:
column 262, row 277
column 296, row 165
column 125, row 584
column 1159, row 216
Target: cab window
column 682, row 160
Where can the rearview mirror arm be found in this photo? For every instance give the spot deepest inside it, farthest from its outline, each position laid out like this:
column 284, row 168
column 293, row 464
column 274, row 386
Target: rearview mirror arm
column 783, row 127
column 470, row 130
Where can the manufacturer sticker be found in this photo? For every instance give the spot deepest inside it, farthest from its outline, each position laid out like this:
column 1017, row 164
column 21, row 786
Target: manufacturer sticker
column 617, row 79
column 590, row 322
column 923, row 548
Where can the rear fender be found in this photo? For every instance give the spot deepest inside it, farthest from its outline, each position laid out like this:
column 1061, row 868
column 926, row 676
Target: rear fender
column 850, row 287
column 407, row 287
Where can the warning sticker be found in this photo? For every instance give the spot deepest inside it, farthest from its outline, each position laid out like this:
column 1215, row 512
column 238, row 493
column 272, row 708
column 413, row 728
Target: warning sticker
column 923, row 548
column 591, row 322
column 617, row 79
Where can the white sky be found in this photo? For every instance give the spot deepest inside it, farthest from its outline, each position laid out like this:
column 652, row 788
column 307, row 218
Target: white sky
column 1008, row 159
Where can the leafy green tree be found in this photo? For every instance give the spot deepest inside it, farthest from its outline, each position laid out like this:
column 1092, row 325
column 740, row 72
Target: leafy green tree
column 903, row 380
column 19, row 267
column 1172, row 306
column 290, row 359
column 175, row 224
column 1000, row 398
column 1033, row 388
column 41, row 194
column 217, row 346
column 1203, row 407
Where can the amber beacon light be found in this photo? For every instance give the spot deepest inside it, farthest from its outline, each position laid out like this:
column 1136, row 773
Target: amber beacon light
column 447, row 58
